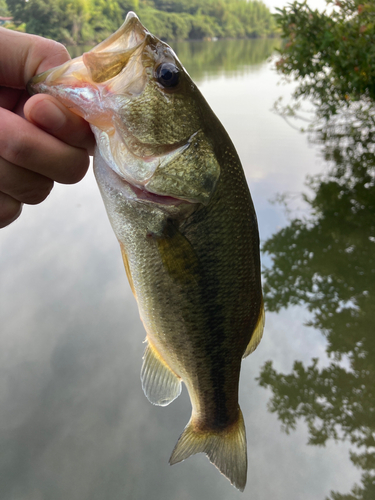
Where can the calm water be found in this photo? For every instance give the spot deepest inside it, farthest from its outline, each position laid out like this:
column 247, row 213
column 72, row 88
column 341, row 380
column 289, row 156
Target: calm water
column 74, row 423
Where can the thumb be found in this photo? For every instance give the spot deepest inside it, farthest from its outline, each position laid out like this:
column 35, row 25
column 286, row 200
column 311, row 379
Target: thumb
column 47, row 113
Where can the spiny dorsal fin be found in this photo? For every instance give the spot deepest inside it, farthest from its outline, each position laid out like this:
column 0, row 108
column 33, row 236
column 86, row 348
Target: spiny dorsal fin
column 258, row 332
column 226, row 449
column 160, row 385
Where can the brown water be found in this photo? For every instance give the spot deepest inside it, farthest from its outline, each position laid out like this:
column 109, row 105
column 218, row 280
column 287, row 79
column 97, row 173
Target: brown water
column 74, row 422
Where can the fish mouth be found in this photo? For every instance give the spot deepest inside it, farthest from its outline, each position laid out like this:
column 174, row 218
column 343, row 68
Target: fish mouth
column 102, row 86
column 116, row 183
column 95, row 85
column 143, row 195
column 102, row 63
column 82, row 84
column 141, row 171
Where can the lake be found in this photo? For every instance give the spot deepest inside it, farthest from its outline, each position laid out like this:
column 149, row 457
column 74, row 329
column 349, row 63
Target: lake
column 74, row 422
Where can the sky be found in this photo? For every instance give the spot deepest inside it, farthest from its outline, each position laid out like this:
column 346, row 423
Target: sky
column 314, row 4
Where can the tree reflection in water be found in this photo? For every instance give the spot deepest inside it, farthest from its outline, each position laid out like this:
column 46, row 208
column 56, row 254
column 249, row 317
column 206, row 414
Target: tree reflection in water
column 202, row 59
column 327, row 262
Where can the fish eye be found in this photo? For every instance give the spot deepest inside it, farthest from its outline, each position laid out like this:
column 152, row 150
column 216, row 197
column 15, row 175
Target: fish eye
column 168, row 75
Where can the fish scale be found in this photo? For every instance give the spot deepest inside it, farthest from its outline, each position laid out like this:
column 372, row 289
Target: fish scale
column 179, row 204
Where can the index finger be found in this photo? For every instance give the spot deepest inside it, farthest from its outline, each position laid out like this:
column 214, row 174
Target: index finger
column 23, row 56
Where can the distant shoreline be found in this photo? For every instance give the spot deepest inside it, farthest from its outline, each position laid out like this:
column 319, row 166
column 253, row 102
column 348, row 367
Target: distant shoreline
column 179, row 40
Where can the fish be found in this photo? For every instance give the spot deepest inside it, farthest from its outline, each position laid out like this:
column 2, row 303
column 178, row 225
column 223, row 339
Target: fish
column 178, row 201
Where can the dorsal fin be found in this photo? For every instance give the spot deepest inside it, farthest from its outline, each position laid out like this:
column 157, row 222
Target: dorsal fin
column 160, row 385
column 258, row 332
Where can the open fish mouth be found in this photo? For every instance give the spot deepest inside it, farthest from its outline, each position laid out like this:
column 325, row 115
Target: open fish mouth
column 142, row 195
column 85, row 74
column 113, row 87
column 95, row 84
column 139, row 171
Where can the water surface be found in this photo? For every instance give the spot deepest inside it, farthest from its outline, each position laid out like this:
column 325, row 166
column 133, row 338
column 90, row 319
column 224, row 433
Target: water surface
column 74, row 422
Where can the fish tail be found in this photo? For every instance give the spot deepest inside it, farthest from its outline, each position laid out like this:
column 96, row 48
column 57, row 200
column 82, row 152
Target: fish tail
column 226, row 449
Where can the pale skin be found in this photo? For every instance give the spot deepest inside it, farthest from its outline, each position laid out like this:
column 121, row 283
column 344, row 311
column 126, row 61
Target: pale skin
column 41, row 141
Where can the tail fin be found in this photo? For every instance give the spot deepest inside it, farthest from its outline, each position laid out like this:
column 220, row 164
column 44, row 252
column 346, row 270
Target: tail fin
column 226, row 449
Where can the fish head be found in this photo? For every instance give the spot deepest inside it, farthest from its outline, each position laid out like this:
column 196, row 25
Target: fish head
column 148, row 117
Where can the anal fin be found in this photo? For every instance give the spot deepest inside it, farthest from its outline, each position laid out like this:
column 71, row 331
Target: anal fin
column 258, row 332
column 127, row 268
column 160, row 385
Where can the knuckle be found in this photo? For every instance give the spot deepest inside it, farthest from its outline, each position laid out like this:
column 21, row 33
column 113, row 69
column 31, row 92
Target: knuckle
column 37, row 193
column 16, row 151
column 10, row 210
column 55, row 50
column 59, row 48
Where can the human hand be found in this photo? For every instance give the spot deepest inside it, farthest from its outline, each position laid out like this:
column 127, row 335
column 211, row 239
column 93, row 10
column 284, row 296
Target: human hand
column 41, row 141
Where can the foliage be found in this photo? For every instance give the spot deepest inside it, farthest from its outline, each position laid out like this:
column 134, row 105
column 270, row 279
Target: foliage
column 331, row 54
column 105, row 16
column 4, row 11
column 326, row 260
column 218, row 18
column 82, row 21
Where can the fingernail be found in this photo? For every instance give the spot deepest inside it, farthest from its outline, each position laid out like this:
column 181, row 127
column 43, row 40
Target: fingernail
column 49, row 116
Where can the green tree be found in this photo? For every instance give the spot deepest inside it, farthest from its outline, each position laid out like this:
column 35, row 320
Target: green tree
column 105, row 17
column 80, row 21
column 4, row 11
column 42, row 17
column 127, row 5
column 326, row 260
column 330, row 54
column 16, row 8
column 63, row 20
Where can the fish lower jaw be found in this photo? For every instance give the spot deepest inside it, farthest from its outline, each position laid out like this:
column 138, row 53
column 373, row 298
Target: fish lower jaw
column 142, row 194
column 107, row 173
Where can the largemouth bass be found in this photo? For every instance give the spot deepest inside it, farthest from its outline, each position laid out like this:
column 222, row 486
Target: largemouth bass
column 178, row 202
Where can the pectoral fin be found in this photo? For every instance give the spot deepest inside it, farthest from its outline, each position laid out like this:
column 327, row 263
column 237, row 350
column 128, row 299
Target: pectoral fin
column 178, row 255
column 258, row 332
column 160, row 385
